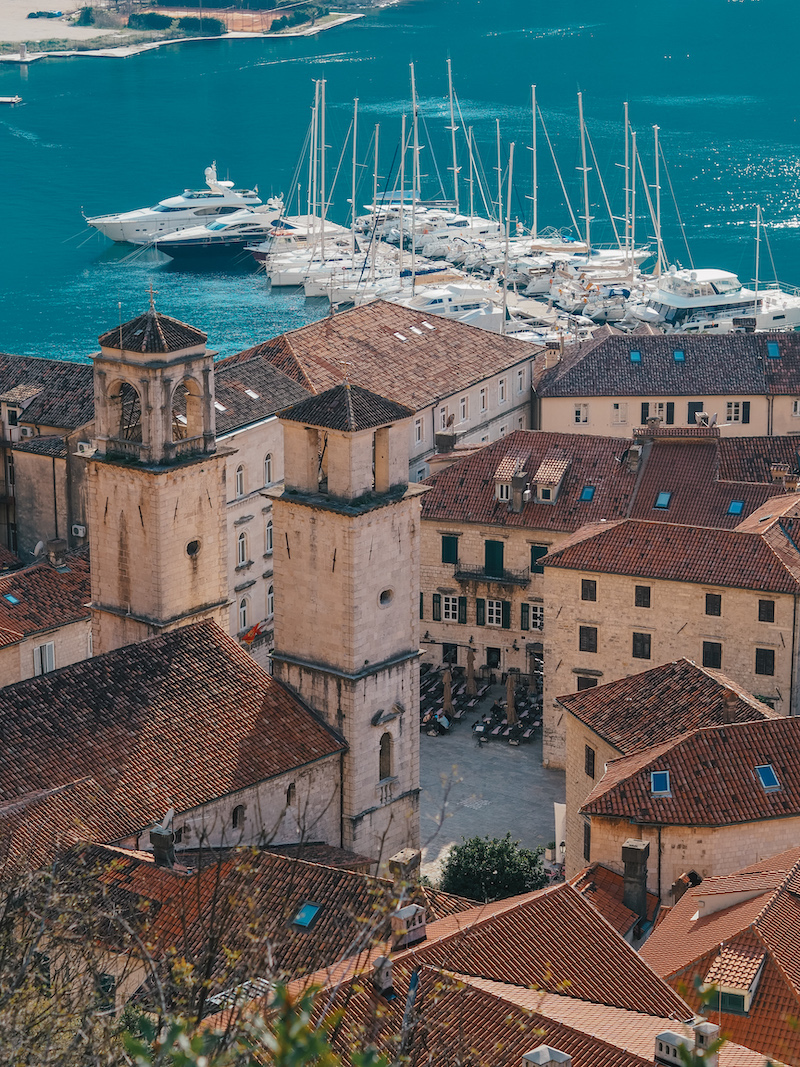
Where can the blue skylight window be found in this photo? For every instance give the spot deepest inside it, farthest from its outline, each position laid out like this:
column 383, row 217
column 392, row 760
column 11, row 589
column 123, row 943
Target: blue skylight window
column 736, row 507
column 659, row 784
column 306, row 916
column 636, row 355
column 587, row 493
column 662, row 501
column 773, row 350
column 768, row 778
column 678, row 355
column 10, row 598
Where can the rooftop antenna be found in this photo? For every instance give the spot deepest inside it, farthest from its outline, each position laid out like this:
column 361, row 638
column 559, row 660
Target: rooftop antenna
column 119, row 312
column 345, row 363
column 153, row 293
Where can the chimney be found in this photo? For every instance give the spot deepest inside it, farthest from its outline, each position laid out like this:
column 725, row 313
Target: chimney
column 519, row 483
column 779, row 471
column 552, row 354
column 705, row 1034
column 634, row 456
column 408, row 926
column 404, row 866
column 729, row 702
column 669, row 1046
column 382, row 977
column 445, row 440
column 790, row 482
column 545, row 1056
column 57, row 551
column 163, row 841
column 635, row 854
column 653, row 423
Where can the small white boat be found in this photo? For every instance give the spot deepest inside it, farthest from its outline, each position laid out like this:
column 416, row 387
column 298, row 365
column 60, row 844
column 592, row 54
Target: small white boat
column 194, row 207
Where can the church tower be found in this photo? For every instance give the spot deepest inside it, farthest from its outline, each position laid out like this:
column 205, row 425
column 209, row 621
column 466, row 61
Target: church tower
column 346, row 552
column 155, row 484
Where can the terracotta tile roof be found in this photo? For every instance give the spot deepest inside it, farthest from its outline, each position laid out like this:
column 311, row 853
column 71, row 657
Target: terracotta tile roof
column 553, row 939
column 66, row 396
column 768, row 562
column 178, row 720
column 657, row 705
column 234, row 383
column 251, row 899
column 726, row 944
column 46, row 597
column 748, row 459
column 8, row 560
column 319, row 852
column 20, row 393
column 712, row 777
column 347, row 407
column 772, row 511
column 604, row 888
column 465, row 491
column 152, row 332
column 733, row 364
column 425, row 363
column 690, row 472
column 50, row 445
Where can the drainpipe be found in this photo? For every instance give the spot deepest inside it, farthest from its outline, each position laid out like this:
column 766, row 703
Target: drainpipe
column 659, row 864
column 55, row 498
column 793, row 683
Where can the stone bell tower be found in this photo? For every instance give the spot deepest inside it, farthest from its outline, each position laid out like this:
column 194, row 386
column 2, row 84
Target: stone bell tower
column 156, row 484
column 346, row 558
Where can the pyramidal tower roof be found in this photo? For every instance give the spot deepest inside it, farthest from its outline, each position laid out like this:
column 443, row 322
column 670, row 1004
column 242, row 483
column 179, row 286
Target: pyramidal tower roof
column 152, row 332
column 347, row 407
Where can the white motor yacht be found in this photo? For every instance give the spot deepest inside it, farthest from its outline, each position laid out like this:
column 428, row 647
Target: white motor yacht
column 193, row 207
column 225, row 236
column 292, row 233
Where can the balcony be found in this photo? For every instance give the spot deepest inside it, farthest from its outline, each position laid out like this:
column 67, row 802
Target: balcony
column 465, row 573
column 385, row 790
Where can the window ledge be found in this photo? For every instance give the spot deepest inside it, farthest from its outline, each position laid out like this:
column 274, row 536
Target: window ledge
column 244, row 566
column 243, row 519
column 244, row 585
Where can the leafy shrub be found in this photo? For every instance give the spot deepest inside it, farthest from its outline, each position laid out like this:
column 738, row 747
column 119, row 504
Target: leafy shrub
column 196, row 27
column 491, row 869
column 85, row 18
column 149, row 20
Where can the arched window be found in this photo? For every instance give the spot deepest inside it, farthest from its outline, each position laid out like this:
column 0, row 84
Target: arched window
column 270, row 602
column 240, row 480
column 241, row 549
column 268, row 539
column 268, row 469
column 243, row 613
column 386, row 769
column 238, row 817
column 291, row 793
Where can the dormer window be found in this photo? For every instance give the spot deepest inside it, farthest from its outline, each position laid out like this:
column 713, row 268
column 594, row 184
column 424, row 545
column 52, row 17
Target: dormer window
column 546, row 494
column 768, row 778
column 503, row 490
column 659, row 784
column 13, row 416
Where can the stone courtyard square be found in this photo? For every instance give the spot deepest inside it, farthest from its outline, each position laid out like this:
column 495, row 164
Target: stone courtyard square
column 473, row 790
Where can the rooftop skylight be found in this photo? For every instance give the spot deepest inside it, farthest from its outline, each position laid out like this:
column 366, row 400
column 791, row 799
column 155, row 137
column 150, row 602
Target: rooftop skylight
column 662, row 501
column 306, row 915
column 417, row 330
column 427, row 325
column 678, row 355
column 252, row 394
column 636, row 355
column 587, row 493
column 400, row 336
column 659, row 784
column 768, row 778
column 736, row 507
column 773, row 350
column 10, row 598
column 219, row 407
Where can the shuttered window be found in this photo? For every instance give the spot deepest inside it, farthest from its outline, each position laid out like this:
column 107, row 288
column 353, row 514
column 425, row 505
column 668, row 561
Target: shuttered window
column 437, row 607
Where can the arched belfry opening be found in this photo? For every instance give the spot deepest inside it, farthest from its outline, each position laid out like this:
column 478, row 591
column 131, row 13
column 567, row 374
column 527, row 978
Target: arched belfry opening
column 187, row 410
column 126, row 412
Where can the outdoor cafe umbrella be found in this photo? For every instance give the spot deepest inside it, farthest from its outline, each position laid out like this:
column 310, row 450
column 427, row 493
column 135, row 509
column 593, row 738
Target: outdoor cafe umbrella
column 447, row 683
column 472, row 689
column 511, row 711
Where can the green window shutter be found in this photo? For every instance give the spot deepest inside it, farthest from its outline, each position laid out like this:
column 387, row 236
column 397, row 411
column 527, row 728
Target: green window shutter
column 670, row 413
column 537, row 551
column 745, row 411
column 645, row 412
column 524, row 617
column 493, row 558
column 422, row 605
column 506, row 614
column 462, row 609
column 437, row 607
column 449, row 549
column 480, row 611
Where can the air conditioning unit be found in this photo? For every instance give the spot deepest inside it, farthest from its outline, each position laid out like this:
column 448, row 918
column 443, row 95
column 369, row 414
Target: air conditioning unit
column 84, row 446
column 527, row 496
column 78, row 530
column 25, row 431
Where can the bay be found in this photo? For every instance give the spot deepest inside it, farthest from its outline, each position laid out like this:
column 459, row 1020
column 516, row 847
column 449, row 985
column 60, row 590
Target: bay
column 717, row 76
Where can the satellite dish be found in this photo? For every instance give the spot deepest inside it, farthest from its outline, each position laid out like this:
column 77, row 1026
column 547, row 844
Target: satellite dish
column 713, row 421
column 39, row 548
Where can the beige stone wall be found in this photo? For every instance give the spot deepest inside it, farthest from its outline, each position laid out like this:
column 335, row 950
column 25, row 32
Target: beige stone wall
column 140, row 524
column 41, row 500
column 785, row 415
column 72, row 644
column 558, row 414
column 580, row 784
column 438, row 577
column 710, row 851
column 678, row 625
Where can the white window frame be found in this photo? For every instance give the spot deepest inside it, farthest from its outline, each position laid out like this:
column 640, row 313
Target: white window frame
column 268, row 469
column 419, row 431
column 619, row 413
column 504, row 429
column 494, row 612
column 240, row 480
column 443, row 415
column 244, row 610
column 241, row 549
column 270, row 601
column 521, row 380
column 44, row 658
column 464, row 408
column 483, row 400
column 581, row 414
column 658, row 409
column 537, row 616
column 449, row 608
column 733, row 411
column 420, row 474
column 504, row 490
column 502, row 391
column 268, row 538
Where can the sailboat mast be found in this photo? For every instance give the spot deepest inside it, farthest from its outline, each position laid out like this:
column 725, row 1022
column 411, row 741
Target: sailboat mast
column 312, row 160
column 414, row 178
column 585, row 169
column 508, row 237
column 453, row 135
column 660, row 263
column 471, row 176
column 315, row 165
column 374, row 202
column 758, row 251
column 402, row 184
column 628, row 250
column 354, row 181
column 322, row 193
column 633, row 201
column 534, row 175
column 499, row 177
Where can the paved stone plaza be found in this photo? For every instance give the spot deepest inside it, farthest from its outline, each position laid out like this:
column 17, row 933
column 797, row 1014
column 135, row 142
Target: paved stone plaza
column 470, row 790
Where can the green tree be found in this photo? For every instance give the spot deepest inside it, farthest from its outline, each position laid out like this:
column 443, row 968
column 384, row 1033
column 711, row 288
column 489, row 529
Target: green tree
column 485, row 868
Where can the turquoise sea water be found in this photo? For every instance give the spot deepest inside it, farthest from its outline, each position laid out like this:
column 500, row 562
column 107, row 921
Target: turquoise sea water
column 718, row 76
